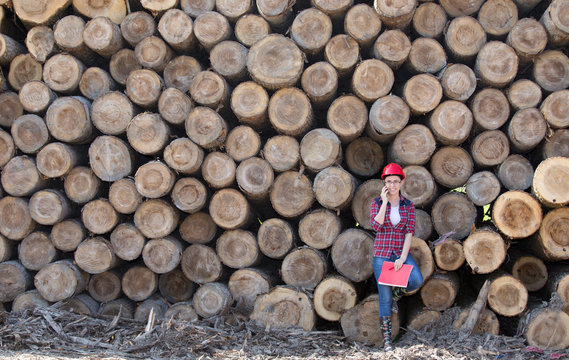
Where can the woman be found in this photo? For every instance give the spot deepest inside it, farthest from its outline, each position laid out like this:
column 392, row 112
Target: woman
column 393, row 219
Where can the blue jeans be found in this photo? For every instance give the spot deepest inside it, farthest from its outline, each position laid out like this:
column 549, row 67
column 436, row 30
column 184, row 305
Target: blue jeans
column 385, row 291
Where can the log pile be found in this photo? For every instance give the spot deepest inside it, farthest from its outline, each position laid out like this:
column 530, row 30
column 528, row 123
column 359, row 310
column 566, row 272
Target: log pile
column 188, row 157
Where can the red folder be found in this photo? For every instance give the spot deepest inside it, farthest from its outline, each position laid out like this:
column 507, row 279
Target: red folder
column 391, row 277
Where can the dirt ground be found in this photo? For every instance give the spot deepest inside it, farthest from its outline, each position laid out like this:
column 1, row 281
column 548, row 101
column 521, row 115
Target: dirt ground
column 49, row 334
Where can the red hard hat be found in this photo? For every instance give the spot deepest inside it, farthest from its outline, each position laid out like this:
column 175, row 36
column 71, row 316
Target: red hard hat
column 392, row 169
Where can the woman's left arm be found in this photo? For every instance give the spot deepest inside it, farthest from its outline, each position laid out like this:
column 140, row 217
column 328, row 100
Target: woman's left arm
column 408, row 238
column 406, row 246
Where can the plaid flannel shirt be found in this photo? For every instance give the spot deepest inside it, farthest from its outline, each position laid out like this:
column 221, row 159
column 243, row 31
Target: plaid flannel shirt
column 390, row 238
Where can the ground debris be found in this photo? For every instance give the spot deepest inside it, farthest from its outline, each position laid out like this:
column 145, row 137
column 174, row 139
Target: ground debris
column 58, row 334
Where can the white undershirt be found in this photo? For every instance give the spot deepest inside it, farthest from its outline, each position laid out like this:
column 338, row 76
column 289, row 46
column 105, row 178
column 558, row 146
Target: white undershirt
column 394, row 215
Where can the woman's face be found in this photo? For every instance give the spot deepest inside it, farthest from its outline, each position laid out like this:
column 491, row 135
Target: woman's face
column 393, row 183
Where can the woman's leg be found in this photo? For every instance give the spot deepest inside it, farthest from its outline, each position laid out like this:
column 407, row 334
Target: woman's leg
column 384, row 291
column 416, row 278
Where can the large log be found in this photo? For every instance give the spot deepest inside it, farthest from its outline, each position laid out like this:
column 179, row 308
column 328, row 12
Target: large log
column 282, row 308
column 440, row 290
column 15, row 219
column 484, row 250
column 162, row 255
column 127, row 241
column 36, row 96
column 201, row 264
column 352, row 254
column 48, row 206
column 242, row 143
column 319, row 228
column 246, row 284
column 105, row 287
column 290, row 111
column 175, row 286
column 507, row 296
column 548, row 243
column 453, row 211
column 29, row 134
column 547, row 184
column 15, row 280
column 238, row 249
column 154, row 179
column 361, row 323
column 60, row 280
column 251, row 28
column 333, row 296
column 139, row 283
column 291, row 195
column 95, row 255
column 304, row 268
column 276, row 237
column 517, row 214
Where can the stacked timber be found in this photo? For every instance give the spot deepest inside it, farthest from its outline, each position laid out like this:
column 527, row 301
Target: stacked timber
column 188, row 158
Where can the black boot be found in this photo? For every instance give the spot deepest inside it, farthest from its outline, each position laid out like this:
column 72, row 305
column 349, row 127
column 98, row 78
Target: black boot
column 386, row 331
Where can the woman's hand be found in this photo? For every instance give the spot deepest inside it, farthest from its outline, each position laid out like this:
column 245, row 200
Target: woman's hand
column 399, row 263
column 384, row 194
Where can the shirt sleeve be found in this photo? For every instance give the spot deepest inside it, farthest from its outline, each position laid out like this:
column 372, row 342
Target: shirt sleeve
column 373, row 212
column 411, row 222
